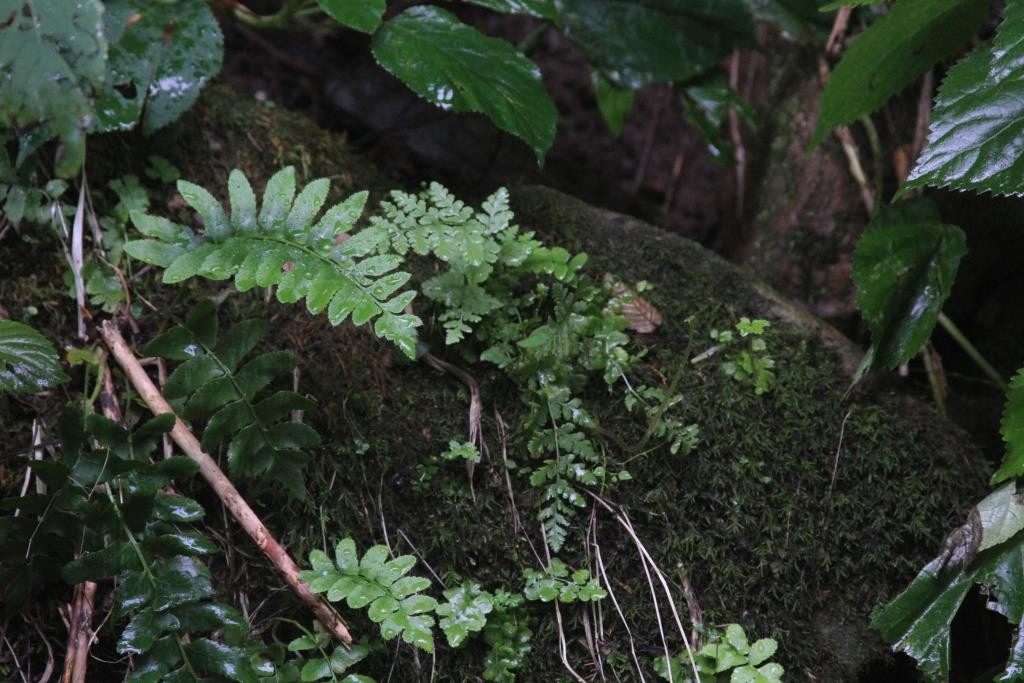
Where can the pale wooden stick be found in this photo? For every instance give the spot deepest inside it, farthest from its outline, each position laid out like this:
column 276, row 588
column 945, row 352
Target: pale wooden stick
column 225, row 490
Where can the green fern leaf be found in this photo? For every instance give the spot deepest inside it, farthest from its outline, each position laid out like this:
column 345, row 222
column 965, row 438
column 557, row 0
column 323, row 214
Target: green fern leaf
column 257, row 432
column 391, row 598
column 281, row 245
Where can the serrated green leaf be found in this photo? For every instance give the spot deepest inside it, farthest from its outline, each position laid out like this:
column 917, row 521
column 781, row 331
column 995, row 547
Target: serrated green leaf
column 363, row 592
column 465, row 612
column 143, row 631
column 28, row 361
column 180, row 580
column 160, row 54
column 216, row 658
column 978, row 118
column 1001, row 515
column 178, row 509
column 467, row 71
column 897, row 48
column 101, row 564
column 185, row 542
column 362, row 15
column 1012, row 430
column 904, row 267
column 636, row 44
column 52, row 58
column 282, row 248
column 157, row 662
column 209, row 616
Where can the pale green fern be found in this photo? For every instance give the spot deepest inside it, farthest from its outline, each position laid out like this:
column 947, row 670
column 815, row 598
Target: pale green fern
column 283, row 244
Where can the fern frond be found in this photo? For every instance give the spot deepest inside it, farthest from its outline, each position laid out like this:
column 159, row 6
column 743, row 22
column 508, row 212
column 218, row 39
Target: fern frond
column 260, row 437
column 282, row 245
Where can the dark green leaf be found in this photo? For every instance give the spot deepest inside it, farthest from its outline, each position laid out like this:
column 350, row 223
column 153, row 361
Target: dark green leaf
column 185, row 542
column 157, row 662
column 362, row 15
column 52, row 58
column 223, row 660
column 613, row 102
column 904, row 268
column 900, row 46
column 918, row 621
column 208, row 616
column 100, row 564
column 28, row 362
column 180, row 580
column 175, row 344
column 162, row 55
column 143, row 631
column 661, row 41
column 978, row 119
column 542, row 9
column 1012, row 429
column 133, row 591
column 177, row 509
column 467, row 71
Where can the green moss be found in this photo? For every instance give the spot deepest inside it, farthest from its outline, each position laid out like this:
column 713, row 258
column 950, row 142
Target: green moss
column 752, row 516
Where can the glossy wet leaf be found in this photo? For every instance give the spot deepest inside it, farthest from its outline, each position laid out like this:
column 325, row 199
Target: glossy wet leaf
column 285, row 245
column 542, row 9
column 211, row 657
column 464, row 612
column 467, row 72
column 897, row 48
column 904, row 267
column 635, row 44
column 1001, row 516
column 362, row 15
column 977, row 124
column 161, row 56
column 918, row 621
column 1012, row 430
column 28, row 361
column 378, row 584
column 52, row 62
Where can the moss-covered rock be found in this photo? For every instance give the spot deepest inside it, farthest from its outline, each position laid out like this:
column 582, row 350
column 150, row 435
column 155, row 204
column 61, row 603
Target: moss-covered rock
column 799, row 511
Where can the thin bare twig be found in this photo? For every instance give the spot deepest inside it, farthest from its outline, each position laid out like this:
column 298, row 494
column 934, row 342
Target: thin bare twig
column 222, row 486
column 839, row 449
column 834, row 45
column 475, row 407
column 563, row 647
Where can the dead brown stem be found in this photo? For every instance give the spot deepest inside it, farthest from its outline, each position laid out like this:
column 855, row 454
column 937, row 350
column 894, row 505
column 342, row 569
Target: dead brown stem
column 223, row 487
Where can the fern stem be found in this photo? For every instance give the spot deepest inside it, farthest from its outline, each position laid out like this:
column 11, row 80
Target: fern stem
column 933, row 380
column 972, row 352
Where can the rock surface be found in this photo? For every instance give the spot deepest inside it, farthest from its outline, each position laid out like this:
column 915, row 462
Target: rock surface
column 798, row 512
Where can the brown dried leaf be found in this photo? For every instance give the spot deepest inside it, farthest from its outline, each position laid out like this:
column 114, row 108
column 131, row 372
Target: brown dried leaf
column 643, row 317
